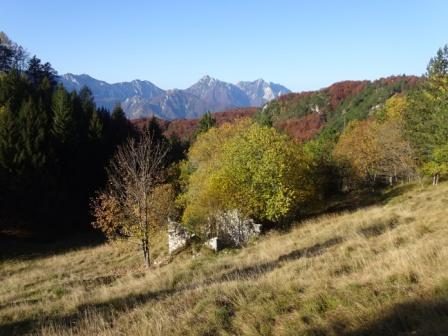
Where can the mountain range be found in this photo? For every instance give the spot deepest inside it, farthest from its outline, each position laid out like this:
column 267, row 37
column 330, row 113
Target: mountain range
column 141, row 98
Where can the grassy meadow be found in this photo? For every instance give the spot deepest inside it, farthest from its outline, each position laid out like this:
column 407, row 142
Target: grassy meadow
column 378, row 270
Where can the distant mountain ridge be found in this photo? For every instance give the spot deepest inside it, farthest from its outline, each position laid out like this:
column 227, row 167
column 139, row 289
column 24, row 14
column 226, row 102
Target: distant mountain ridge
column 141, row 98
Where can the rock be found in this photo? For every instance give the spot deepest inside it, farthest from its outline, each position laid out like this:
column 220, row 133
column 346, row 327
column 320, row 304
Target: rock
column 212, row 244
column 178, row 237
column 234, row 229
column 162, row 261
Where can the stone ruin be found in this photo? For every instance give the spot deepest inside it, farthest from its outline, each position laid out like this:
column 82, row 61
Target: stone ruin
column 178, row 237
column 225, row 229
column 212, row 244
column 233, row 229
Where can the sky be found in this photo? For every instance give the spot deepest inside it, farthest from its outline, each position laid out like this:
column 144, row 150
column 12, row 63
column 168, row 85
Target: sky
column 304, row 45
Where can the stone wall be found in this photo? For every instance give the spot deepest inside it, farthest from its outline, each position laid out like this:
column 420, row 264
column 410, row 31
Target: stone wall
column 178, row 237
column 212, row 244
column 234, row 229
column 228, row 228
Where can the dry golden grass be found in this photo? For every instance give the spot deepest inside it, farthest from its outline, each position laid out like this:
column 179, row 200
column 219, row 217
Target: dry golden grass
column 381, row 270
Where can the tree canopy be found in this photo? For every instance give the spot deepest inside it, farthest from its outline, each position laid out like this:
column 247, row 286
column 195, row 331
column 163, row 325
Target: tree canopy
column 248, row 167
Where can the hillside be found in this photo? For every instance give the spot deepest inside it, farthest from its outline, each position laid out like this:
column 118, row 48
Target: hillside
column 380, row 270
column 303, row 114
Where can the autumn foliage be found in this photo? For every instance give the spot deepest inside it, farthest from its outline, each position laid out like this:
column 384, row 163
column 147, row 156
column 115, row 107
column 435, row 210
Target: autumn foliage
column 254, row 169
column 184, row 129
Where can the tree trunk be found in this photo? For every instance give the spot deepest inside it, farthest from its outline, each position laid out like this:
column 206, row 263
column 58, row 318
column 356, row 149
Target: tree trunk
column 145, row 248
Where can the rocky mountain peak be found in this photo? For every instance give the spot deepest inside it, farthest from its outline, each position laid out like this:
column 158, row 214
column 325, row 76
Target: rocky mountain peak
column 141, row 98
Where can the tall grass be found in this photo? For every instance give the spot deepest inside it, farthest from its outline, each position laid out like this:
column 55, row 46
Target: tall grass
column 382, row 270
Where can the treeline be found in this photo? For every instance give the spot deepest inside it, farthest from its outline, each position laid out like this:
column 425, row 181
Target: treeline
column 54, row 146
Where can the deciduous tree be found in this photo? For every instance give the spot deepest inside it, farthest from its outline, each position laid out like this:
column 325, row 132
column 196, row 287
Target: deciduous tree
column 375, row 152
column 438, row 164
column 131, row 201
column 251, row 168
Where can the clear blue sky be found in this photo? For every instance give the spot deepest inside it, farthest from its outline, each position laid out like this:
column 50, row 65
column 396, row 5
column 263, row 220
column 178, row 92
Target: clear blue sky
column 301, row 44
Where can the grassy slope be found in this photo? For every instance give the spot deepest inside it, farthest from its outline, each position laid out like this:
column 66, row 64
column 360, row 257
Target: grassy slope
column 382, row 270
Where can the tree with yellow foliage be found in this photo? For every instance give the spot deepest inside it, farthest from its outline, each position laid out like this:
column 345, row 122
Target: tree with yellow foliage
column 374, row 151
column 394, row 108
column 248, row 167
column 438, row 165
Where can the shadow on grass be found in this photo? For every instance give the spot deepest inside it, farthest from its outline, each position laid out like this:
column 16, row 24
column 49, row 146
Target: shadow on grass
column 421, row 318
column 28, row 248
column 255, row 271
column 412, row 318
column 109, row 309
column 357, row 200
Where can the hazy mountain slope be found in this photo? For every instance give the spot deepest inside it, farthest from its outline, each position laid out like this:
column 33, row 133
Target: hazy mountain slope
column 218, row 95
column 260, row 91
column 142, row 98
column 108, row 94
column 174, row 104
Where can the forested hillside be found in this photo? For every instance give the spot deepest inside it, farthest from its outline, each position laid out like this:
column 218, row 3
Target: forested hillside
column 54, row 147
column 334, row 106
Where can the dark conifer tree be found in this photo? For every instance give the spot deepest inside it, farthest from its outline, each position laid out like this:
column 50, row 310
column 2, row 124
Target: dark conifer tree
column 32, row 149
column 87, row 101
column 95, row 127
column 120, row 127
column 64, row 124
column 36, row 72
column 153, row 127
column 6, row 54
column 205, row 123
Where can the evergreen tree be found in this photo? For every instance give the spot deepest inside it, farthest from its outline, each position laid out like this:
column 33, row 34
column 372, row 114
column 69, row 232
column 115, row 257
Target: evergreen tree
column 32, row 151
column 36, row 72
column 95, row 127
column 12, row 56
column 118, row 114
column 120, row 127
column 6, row 53
column 264, row 118
column 84, row 107
column 53, row 149
column 64, row 125
column 153, row 127
column 87, row 101
column 426, row 118
column 8, row 140
column 177, row 150
column 14, row 89
column 205, row 123
column 438, row 65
